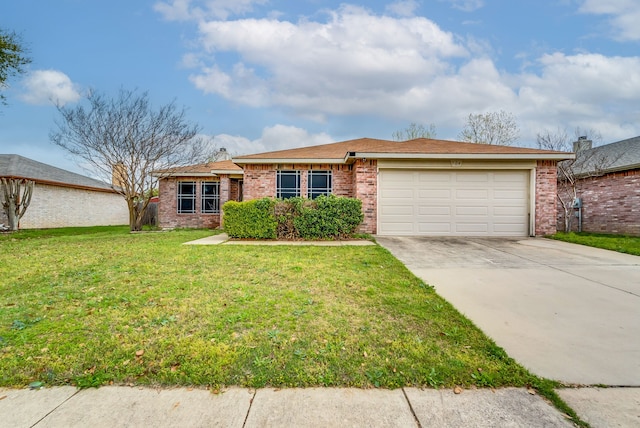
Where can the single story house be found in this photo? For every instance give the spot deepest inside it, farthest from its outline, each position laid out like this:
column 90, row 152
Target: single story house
column 192, row 196
column 417, row 187
column 609, row 187
column 62, row 198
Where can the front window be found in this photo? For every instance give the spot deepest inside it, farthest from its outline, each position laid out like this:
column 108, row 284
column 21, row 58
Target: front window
column 186, row 197
column 210, row 197
column 288, row 184
column 318, row 183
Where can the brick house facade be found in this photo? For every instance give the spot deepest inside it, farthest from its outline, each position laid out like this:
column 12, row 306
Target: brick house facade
column 356, row 165
column 353, row 169
column 611, row 203
column 610, row 198
column 208, row 187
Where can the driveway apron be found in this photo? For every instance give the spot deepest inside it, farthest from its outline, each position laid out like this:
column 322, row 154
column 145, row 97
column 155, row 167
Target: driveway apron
column 565, row 311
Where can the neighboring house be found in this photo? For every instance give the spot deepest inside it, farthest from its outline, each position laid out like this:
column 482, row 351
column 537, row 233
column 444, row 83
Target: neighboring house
column 610, row 189
column 192, row 196
column 62, row 198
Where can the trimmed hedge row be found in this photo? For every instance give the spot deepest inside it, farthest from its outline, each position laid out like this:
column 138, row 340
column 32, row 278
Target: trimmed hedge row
column 326, row 217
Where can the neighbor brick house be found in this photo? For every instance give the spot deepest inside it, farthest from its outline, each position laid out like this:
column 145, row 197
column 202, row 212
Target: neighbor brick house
column 417, row 187
column 192, row 196
column 62, row 198
column 610, row 192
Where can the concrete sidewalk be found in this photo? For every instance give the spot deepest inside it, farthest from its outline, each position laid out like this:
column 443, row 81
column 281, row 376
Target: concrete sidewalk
column 313, row 407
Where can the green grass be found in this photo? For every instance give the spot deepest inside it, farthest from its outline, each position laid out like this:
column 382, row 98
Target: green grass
column 620, row 243
column 105, row 306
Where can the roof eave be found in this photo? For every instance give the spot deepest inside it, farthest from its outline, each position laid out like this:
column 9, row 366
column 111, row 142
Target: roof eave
column 472, row 156
column 288, row 160
column 227, row 171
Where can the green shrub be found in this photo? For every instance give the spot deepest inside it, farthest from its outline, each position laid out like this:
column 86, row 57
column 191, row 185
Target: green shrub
column 250, row 219
column 328, row 217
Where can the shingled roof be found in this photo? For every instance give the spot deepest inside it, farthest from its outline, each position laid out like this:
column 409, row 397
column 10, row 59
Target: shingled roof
column 418, row 148
column 203, row 169
column 619, row 156
column 16, row 166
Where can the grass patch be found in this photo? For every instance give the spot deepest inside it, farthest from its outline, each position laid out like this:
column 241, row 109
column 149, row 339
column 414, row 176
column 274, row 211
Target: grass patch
column 619, row 243
column 89, row 309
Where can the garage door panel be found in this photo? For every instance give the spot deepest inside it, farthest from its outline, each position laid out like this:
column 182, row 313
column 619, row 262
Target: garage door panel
column 472, row 228
column 443, row 228
column 472, row 177
column 472, row 211
column 439, row 194
column 462, row 194
column 460, row 202
column 434, row 177
column 434, row 210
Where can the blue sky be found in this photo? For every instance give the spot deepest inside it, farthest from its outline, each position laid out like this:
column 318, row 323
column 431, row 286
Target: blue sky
column 260, row 75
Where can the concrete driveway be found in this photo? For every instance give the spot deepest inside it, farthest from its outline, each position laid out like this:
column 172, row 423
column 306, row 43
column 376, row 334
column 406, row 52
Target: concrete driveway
column 565, row 311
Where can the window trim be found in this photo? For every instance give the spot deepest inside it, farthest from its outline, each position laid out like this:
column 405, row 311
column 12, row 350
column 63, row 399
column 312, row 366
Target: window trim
column 184, row 196
column 279, row 189
column 215, row 197
column 318, row 191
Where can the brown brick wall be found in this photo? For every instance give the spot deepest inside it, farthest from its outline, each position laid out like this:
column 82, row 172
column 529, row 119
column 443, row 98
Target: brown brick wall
column 546, row 185
column 168, row 217
column 260, row 182
column 611, row 204
column 365, row 180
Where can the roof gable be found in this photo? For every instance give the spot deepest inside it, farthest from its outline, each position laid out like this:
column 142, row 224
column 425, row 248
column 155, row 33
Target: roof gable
column 17, row 166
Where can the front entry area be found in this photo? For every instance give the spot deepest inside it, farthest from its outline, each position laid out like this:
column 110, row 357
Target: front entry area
column 415, row 202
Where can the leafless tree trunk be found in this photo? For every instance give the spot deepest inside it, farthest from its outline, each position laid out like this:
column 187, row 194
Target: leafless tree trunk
column 124, row 139
column 16, row 197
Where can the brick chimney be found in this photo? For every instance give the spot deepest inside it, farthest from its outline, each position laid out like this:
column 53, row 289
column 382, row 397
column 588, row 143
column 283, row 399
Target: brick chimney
column 582, row 144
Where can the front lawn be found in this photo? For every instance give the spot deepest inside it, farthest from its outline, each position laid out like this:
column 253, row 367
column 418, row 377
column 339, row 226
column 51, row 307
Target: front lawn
column 108, row 306
column 620, row 243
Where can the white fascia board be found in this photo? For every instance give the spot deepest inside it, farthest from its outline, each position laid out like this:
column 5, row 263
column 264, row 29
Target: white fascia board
column 289, row 160
column 476, row 156
column 226, row 171
column 183, row 174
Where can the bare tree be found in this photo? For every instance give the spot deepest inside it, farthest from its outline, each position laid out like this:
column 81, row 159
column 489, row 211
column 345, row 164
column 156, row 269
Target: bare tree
column 124, row 139
column 16, row 197
column 588, row 163
column 497, row 127
column 414, row 131
column 12, row 58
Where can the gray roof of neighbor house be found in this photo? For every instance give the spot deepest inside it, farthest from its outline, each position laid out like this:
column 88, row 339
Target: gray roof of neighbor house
column 619, row 156
column 16, row 166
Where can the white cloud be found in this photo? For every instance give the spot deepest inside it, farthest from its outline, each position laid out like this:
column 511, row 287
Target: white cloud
column 358, row 64
column 625, row 15
column 49, row 86
column 351, row 61
column 184, row 10
column 404, row 8
column 277, row 137
column 466, row 5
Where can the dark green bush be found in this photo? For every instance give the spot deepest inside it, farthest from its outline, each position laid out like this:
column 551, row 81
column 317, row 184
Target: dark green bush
column 328, row 217
column 250, row 219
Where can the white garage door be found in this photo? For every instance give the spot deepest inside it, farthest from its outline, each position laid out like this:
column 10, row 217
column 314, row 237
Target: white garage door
column 453, row 203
